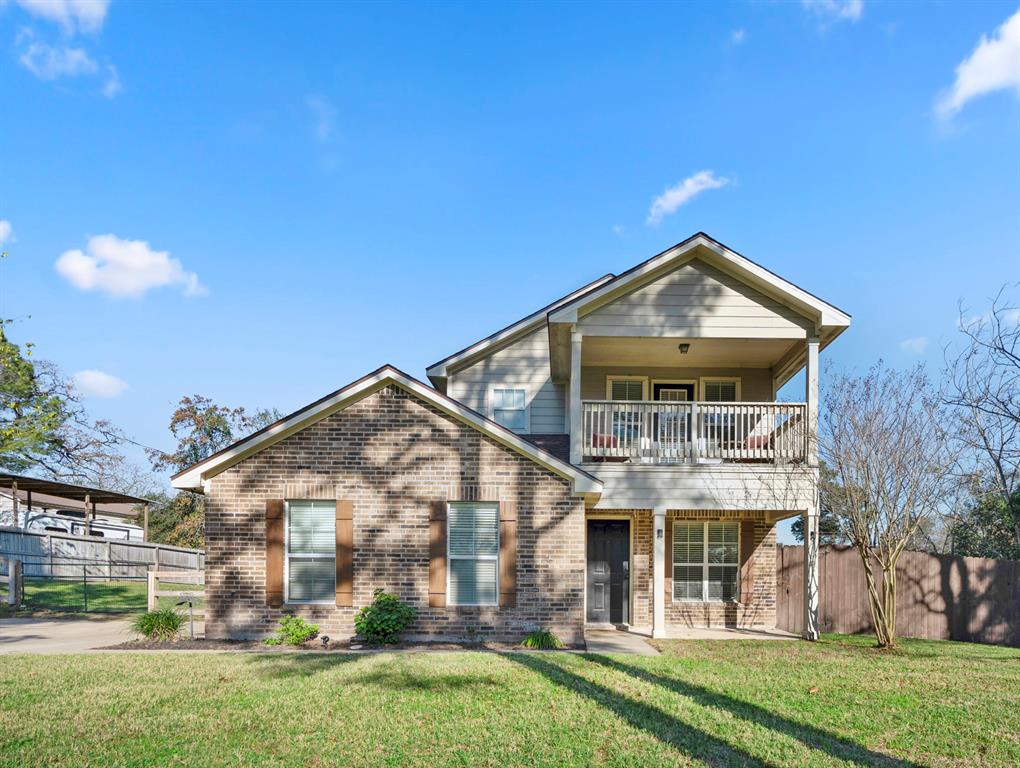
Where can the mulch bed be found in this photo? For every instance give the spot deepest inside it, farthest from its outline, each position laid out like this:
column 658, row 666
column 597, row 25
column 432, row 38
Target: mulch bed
column 313, row 646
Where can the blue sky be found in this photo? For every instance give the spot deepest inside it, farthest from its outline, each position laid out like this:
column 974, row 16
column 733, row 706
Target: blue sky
column 325, row 189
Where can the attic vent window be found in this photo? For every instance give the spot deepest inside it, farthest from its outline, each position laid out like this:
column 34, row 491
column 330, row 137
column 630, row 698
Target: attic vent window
column 684, row 348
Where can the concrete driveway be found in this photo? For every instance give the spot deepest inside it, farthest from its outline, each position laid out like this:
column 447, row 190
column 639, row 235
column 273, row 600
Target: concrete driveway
column 62, row 635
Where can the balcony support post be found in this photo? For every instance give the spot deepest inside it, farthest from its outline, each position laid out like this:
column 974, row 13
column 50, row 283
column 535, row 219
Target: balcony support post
column 811, row 581
column 576, row 411
column 659, row 572
column 811, row 397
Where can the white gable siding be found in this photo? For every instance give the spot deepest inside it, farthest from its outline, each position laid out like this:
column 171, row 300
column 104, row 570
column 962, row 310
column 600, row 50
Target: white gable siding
column 695, row 300
column 525, row 363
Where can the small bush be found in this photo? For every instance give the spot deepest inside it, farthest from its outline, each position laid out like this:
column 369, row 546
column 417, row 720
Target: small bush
column 542, row 640
column 164, row 624
column 293, row 631
column 384, row 619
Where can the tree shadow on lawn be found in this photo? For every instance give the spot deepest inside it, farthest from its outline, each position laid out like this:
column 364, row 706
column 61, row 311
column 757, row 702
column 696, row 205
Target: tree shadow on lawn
column 283, row 664
column 688, row 739
column 809, row 735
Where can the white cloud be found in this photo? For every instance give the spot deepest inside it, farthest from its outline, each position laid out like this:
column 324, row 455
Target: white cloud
column 993, row 66
column 915, row 346
column 738, row 36
column 619, row 229
column 323, row 117
column 835, row 10
column 124, row 268
column 6, row 231
column 684, row 192
column 49, row 63
column 112, row 86
column 93, row 383
column 85, row 15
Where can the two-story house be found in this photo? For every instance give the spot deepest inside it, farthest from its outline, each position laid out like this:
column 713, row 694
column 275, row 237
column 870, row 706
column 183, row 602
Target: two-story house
column 618, row 457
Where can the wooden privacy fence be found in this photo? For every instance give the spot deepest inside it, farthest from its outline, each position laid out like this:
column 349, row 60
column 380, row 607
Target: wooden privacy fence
column 939, row 597
column 56, row 555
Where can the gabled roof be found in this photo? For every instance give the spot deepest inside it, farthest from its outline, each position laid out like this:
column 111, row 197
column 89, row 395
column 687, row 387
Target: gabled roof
column 437, row 372
column 703, row 246
column 193, row 477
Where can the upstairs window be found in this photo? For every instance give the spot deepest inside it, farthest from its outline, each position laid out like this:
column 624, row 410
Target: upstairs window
column 626, row 388
column 472, row 537
column 509, row 407
column 706, row 560
column 720, row 390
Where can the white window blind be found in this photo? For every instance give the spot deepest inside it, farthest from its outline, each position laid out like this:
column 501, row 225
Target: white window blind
column 720, row 391
column 311, row 551
column 706, row 559
column 626, row 389
column 472, row 553
column 509, row 407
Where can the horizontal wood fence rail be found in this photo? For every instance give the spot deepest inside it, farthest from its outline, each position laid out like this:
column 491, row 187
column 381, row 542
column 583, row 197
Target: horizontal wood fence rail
column 939, row 597
column 55, row 555
column 175, row 577
column 688, row 432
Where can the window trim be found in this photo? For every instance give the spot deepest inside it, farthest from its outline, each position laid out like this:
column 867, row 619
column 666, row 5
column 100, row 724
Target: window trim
column 721, row 379
column 705, row 564
column 626, row 377
column 316, row 556
column 450, row 557
column 491, row 405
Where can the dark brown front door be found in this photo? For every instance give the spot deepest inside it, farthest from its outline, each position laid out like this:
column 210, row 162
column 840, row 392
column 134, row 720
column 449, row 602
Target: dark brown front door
column 608, row 571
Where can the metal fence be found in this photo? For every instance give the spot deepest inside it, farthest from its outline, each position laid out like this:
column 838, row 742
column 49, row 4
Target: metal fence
column 66, row 573
column 939, row 597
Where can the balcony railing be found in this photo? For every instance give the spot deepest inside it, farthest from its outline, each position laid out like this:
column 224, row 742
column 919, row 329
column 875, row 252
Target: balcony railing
column 654, row 432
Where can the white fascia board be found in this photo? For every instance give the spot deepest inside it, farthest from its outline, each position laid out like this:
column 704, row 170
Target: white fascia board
column 194, row 478
column 496, row 341
column 823, row 313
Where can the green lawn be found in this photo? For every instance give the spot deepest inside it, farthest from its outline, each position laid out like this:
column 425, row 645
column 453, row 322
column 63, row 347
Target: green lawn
column 72, row 596
column 837, row 702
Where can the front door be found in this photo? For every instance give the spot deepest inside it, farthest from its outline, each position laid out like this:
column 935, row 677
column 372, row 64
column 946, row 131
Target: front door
column 673, row 428
column 608, row 571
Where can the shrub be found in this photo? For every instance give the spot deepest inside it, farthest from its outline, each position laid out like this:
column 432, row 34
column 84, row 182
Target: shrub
column 384, row 619
column 163, row 624
column 293, row 631
column 542, row 640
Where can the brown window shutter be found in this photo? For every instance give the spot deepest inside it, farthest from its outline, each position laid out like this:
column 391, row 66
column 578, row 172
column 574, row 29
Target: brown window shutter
column 274, row 552
column 507, row 554
column 746, row 560
column 344, row 554
column 437, row 554
column 668, row 580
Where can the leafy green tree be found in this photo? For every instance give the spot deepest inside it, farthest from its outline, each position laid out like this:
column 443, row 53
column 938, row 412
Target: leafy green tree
column 200, row 427
column 988, row 528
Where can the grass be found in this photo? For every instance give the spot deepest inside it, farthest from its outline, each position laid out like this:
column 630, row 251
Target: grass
column 837, row 702
column 69, row 596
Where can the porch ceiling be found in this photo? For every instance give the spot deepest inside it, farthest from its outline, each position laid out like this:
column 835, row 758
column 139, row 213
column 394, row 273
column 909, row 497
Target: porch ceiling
column 703, row 353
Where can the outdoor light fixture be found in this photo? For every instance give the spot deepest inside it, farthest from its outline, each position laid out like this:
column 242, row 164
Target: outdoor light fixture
column 658, row 533
column 684, row 348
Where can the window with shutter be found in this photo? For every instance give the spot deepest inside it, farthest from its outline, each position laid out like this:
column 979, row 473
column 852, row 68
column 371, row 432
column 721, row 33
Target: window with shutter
column 311, row 552
column 706, row 560
column 626, row 389
column 472, row 553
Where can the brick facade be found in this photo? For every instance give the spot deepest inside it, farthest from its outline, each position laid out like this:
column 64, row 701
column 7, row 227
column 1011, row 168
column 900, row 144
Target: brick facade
column 759, row 611
column 392, row 454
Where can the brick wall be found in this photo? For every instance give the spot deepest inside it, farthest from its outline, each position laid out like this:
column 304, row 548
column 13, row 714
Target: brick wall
column 391, row 454
column 757, row 611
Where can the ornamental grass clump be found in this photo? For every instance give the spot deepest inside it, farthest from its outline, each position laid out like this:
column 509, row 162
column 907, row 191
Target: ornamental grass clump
column 542, row 640
column 164, row 624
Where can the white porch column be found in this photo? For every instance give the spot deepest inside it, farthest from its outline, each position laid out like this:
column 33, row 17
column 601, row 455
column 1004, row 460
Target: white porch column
column 811, row 573
column 576, row 419
column 811, row 398
column 659, row 572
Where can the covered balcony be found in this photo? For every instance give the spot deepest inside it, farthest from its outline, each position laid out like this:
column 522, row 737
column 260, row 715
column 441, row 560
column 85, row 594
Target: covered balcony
column 656, row 432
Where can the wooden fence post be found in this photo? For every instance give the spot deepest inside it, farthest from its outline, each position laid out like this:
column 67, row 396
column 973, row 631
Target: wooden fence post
column 14, row 583
column 153, row 585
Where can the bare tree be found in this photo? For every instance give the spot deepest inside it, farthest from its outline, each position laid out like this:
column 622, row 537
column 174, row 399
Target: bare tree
column 884, row 436
column 984, row 392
